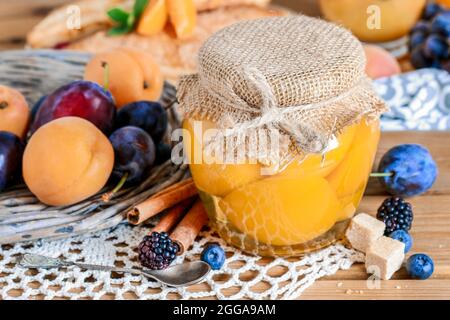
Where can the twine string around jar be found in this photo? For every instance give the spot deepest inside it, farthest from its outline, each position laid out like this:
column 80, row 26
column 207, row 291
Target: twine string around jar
column 269, row 115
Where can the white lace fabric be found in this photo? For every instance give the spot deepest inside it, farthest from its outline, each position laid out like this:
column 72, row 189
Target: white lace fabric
column 242, row 277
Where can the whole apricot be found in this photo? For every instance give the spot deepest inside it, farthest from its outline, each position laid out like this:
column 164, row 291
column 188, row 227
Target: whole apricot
column 66, row 161
column 133, row 75
column 14, row 112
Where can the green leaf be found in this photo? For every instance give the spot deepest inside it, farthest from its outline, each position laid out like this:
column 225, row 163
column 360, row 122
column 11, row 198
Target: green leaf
column 139, row 7
column 131, row 20
column 118, row 15
column 126, row 21
column 119, row 30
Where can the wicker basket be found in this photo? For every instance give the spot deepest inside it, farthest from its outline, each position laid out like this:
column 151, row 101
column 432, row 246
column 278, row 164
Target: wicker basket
column 22, row 216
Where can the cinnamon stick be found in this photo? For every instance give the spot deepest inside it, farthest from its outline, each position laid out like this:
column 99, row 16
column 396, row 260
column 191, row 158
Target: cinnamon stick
column 163, row 200
column 173, row 216
column 187, row 230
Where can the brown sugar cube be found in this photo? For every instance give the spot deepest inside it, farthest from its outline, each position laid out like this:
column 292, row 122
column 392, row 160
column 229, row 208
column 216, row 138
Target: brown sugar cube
column 363, row 231
column 384, row 257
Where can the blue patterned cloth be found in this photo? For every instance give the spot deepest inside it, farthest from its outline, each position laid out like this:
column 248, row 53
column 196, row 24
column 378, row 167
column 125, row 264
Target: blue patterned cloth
column 419, row 100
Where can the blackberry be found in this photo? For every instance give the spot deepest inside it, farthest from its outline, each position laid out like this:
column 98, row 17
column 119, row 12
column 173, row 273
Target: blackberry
column 157, row 251
column 396, row 213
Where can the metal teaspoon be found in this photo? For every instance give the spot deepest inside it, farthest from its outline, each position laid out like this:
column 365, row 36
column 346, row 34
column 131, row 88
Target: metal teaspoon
column 180, row 275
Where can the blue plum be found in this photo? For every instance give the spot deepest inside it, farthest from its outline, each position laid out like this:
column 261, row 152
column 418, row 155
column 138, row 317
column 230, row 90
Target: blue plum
column 11, row 150
column 147, row 115
column 412, row 168
column 134, row 153
column 36, row 107
column 82, row 99
column 163, row 153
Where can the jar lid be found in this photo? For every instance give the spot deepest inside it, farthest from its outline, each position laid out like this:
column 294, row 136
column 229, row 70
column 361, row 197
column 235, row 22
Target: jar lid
column 300, row 76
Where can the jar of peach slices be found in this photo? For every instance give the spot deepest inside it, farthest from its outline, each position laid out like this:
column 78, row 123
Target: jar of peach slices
column 281, row 129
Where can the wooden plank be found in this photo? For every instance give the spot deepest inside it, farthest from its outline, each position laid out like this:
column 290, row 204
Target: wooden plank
column 389, row 290
column 18, row 17
column 13, row 31
column 25, row 8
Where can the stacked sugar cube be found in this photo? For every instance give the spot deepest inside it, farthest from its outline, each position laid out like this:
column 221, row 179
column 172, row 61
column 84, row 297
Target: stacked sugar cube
column 384, row 256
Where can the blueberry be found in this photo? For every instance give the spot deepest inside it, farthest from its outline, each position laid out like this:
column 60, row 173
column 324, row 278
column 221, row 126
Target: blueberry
column 441, row 24
column 149, row 116
column 431, row 10
column 422, row 27
column 403, row 236
column 418, row 59
column 412, row 167
column 416, row 39
column 420, row 266
column 134, row 152
column 214, row 255
column 436, row 47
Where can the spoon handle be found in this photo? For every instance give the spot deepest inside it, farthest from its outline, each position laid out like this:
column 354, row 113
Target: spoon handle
column 176, row 276
column 30, row 260
column 107, row 268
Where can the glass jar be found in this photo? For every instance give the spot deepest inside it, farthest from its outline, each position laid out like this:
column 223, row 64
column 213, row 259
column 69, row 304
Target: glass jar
column 396, row 17
column 281, row 128
column 301, row 207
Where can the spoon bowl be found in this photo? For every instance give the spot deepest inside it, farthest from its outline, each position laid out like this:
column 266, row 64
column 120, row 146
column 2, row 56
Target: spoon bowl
column 181, row 275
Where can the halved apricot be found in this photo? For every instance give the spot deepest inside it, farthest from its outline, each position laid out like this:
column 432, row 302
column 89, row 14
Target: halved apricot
column 214, row 178
column 353, row 172
column 350, row 203
column 282, row 211
column 318, row 165
column 183, row 16
column 153, row 19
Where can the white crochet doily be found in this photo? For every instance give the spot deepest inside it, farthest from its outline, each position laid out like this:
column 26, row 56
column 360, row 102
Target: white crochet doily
column 237, row 279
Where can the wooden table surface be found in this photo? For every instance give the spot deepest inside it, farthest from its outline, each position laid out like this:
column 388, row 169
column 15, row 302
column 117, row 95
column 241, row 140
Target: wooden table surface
column 431, row 229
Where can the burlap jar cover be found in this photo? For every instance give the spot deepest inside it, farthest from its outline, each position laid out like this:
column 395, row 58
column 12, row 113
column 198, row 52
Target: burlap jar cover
column 297, row 76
